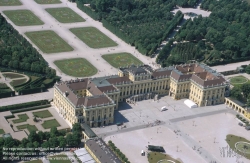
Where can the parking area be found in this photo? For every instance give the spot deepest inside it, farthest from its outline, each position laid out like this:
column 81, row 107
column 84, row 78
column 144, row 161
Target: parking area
column 190, row 135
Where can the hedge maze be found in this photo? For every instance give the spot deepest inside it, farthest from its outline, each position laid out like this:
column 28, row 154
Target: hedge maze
column 48, row 1
column 10, row 3
column 77, row 67
column 93, row 37
column 65, row 15
column 23, row 17
column 121, row 59
column 49, row 41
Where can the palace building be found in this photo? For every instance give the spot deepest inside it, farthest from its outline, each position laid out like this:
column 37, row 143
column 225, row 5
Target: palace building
column 93, row 100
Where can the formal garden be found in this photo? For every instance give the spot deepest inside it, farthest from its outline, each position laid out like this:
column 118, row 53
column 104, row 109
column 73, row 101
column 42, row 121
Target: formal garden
column 121, row 59
column 23, row 17
column 10, row 3
column 48, row 1
column 29, row 127
column 21, row 118
column 93, row 37
column 238, row 80
column 76, row 67
column 42, row 114
column 239, row 145
column 48, row 41
column 64, row 15
column 50, row 123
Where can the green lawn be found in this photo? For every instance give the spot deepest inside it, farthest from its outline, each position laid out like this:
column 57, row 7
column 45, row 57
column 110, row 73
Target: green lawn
column 42, row 114
column 93, row 37
column 64, row 15
column 23, row 17
column 2, row 131
column 22, row 118
column 48, row 1
column 59, row 159
column 238, row 80
column 29, row 127
column 13, row 75
column 50, row 123
column 10, row 3
column 121, row 59
column 18, row 82
column 77, row 67
column 154, row 157
column 49, row 41
column 233, row 139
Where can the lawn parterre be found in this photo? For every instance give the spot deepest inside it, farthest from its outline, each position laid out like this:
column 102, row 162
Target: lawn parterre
column 27, row 126
column 121, row 59
column 42, row 114
column 2, row 131
column 154, row 157
column 77, row 67
column 23, row 17
column 64, row 15
column 235, row 142
column 48, row 1
column 49, row 41
column 10, row 3
column 12, row 75
column 93, row 37
column 18, row 82
column 236, row 80
column 50, row 123
column 22, row 118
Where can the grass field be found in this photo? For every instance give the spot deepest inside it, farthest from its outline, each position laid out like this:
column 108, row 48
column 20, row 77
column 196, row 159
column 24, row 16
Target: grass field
column 22, row 118
column 121, row 59
column 23, row 17
column 64, row 15
column 35, row 161
column 10, row 3
column 49, row 41
column 237, row 80
column 18, row 82
column 77, row 67
column 2, row 131
column 93, row 37
column 12, row 75
column 48, row 1
column 154, row 157
column 42, row 114
column 29, row 127
column 50, row 123
column 59, row 159
column 233, row 139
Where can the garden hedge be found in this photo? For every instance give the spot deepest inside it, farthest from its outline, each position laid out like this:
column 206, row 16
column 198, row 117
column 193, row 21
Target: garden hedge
column 23, row 105
column 7, row 94
column 31, row 108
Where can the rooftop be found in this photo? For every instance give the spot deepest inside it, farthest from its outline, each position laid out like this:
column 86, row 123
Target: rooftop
column 102, row 151
column 88, row 131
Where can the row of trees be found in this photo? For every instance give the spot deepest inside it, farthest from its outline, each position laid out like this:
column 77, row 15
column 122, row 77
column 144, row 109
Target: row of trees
column 17, row 53
column 118, row 152
column 51, row 139
column 143, row 24
column 223, row 36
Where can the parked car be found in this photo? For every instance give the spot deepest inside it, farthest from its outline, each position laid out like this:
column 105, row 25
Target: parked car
column 240, row 124
column 247, row 127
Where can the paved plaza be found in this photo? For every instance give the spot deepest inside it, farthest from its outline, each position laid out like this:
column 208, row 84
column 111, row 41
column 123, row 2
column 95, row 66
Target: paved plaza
column 191, row 135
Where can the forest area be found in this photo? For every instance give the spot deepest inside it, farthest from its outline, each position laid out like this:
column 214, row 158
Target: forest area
column 143, row 24
column 18, row 54
column 221, row 38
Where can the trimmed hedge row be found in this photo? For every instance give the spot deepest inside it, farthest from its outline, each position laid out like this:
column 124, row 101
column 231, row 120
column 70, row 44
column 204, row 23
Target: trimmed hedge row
column 7, row 94
column 9, row 116
column 118, row 152
column 31, row 108
column 23, row 105
column 31, row 90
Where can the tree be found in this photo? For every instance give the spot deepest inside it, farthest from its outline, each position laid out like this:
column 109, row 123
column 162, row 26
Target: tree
column 247, row 69
column 62, row 141
column 236, row 93
column 33, row 136
column 53, row 132
column 245, row 89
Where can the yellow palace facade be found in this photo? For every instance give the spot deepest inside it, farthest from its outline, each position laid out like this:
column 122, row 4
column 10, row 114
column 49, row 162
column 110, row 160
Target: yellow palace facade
column 93, row 100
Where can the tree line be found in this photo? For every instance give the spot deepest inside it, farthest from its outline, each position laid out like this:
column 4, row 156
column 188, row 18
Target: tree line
column 221, row 38
column 143, row 24
column 52, row 139
column 17, row 53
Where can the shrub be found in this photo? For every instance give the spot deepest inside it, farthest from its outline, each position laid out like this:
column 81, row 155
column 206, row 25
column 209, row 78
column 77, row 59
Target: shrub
column 31, row 108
